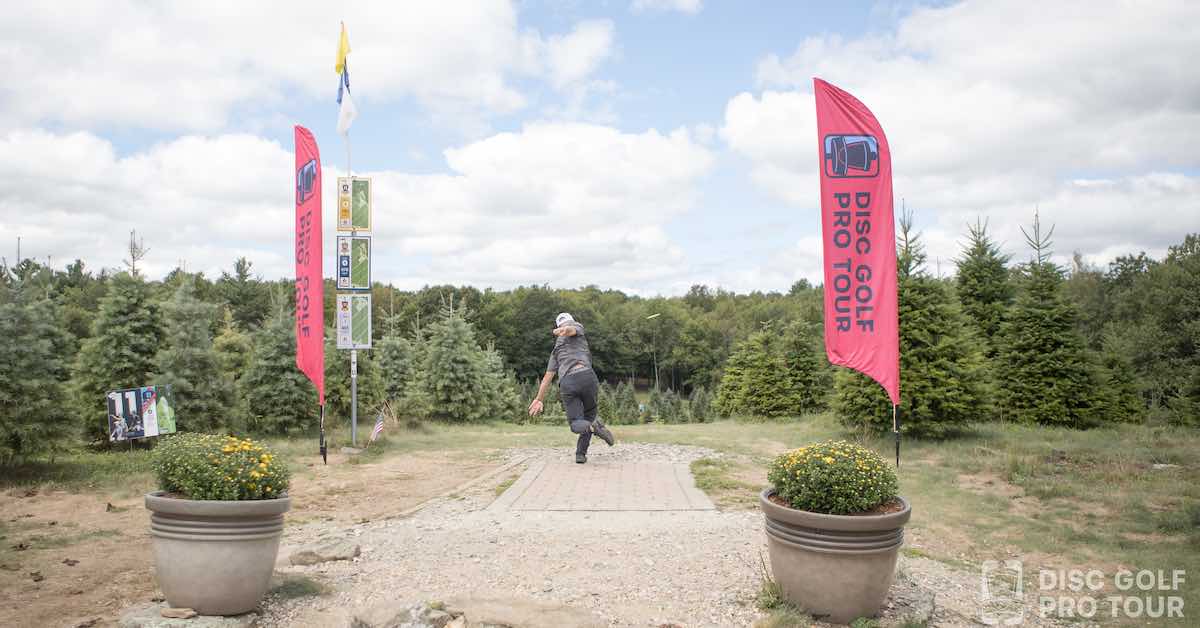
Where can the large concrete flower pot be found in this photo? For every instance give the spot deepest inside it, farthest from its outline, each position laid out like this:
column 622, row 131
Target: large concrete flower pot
column 837, row 568
column 215, row 557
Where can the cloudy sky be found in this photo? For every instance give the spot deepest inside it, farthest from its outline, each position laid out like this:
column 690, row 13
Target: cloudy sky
column 645, row 145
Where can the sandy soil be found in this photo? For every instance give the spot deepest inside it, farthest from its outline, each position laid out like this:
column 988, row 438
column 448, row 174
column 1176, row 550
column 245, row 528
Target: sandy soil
column 115, row 563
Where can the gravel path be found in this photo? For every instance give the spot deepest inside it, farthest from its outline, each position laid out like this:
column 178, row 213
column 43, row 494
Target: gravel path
column 625, row 568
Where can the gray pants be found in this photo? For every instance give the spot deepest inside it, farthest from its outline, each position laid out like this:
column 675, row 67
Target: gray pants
column 579, row 392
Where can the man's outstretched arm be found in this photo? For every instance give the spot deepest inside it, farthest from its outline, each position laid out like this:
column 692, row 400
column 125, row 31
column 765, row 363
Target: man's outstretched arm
column 536, row 406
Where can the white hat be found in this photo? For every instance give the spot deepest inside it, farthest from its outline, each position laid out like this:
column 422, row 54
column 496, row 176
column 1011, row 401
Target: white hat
column 563, row 319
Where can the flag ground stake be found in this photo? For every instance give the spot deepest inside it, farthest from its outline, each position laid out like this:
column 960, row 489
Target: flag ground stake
column 896, row 430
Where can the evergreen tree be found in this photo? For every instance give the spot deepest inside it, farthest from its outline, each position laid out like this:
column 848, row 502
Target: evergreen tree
column 500, row 385
column 700, row 405
column 758, row 380
column 983, row 286
column 1044, row 372
column 188, row 363
column 416, row 403
column 395, row 354
column 666, row 407
column 606, row 403
column 337, row 383
column 234, row 352
column 1118, row 383
column 731, row 389
column 32, row 371
column 941, row 383
column 245, row 294
column 625, row 405
column 455, row 374
column 119, row 354
column 806, row 373
column 279, row 398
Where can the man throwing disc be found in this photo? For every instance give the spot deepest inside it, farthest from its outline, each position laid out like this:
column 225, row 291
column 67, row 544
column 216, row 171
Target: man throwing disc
column 571, row 360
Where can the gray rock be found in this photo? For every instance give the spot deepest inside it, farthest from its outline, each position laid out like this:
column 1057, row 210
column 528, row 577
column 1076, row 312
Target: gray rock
column 326, row 551
column 399, row 615
column 438, row 619
column 150, row 616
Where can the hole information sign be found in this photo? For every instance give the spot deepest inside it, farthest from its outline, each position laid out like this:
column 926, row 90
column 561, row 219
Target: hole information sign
column 354, row 204
column 353, row 315
column 354, row 262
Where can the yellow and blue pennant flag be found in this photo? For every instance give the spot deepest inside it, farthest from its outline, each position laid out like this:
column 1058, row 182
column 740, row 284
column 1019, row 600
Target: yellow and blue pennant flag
column 347, row 112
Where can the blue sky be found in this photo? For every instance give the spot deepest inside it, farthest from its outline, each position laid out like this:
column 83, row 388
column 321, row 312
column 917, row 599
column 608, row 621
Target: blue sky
column 642, row 145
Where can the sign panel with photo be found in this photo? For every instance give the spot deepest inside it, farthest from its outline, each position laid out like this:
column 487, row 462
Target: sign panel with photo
column 354, row 262
column 140, row 412
column 354, row 204
column 353, row 315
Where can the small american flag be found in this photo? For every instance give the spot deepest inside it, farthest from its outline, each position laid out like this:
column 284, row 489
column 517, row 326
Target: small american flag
column 378, row 427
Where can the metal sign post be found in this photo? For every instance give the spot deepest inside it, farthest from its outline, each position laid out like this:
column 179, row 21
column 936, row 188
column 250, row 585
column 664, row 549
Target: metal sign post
column 354, row 397
column 353, row 313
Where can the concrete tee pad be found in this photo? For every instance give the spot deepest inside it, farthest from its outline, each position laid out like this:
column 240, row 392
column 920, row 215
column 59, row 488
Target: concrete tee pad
column 604, row 486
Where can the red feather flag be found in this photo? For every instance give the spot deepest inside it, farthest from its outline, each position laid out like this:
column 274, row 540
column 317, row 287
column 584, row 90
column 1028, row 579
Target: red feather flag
column 310, row 285
column 862, row 328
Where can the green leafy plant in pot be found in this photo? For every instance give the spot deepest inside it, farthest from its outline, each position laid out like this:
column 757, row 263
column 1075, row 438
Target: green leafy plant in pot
column 835, row 525
column 216, row 521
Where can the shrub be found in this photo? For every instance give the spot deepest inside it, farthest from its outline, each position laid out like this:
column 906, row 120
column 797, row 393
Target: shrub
column 700, row 405
column 667, row 407
column 625, row 405
column 212, row 467
column 834, row 478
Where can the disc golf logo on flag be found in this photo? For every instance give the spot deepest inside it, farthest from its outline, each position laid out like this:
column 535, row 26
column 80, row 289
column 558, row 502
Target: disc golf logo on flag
column 353, row 321
column 851, row 156
column 354, row 262
column 354, row 204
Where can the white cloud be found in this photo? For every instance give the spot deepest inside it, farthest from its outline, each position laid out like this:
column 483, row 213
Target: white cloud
column 563, row 203
column 188, row 65
column 683, row 6
column 1094, row 120
column 574, row 56
column 559, row 203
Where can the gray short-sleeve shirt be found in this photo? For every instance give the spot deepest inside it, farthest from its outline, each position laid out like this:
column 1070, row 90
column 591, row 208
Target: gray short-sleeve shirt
column 570, row 353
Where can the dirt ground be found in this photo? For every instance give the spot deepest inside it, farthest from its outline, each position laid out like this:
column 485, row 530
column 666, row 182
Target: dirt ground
column 73, row 560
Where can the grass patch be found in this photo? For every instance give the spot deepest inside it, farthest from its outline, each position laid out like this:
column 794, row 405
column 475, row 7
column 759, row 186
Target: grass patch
column 14, row 546
column 503, row 486
column 717, row 477
column 85, row 470
column 294, row 586
column 784, row 618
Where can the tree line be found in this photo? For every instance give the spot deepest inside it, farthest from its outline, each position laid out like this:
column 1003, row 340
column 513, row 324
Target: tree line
column 1027, row 341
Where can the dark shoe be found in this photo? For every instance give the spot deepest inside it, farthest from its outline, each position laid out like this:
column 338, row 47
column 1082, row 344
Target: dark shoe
column 580, row 458
column 599, row 430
